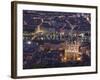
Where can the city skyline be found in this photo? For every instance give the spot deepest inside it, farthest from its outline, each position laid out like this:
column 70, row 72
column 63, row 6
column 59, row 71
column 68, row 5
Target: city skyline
column 56, row 39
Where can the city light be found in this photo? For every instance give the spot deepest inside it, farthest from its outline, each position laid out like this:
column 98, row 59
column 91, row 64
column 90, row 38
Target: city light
column 39, row 30
column 79, row 58
column 29, row 42
column 56, row 41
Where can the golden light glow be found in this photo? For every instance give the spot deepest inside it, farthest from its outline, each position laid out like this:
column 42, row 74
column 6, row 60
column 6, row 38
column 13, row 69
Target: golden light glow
column 65, row 59
column 39, row 30
column 79, row 58
column 71, row 53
